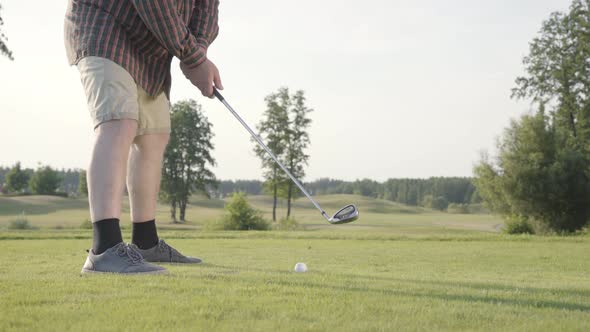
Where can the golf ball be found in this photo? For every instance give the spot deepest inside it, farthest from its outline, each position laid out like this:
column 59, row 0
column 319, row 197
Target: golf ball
column 300, row 267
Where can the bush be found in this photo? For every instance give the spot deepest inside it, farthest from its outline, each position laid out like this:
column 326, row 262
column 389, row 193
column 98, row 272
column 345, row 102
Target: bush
column 240, row 216
column 458, row 208
column 86, row 224
column 287, row 224
column 440, row 203
column 519, row 225
column 20, row 222
column 427, row 201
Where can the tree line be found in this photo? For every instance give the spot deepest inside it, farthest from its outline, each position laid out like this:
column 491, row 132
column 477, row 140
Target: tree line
column 435, row 192
column 417, row 192
column 44, row 180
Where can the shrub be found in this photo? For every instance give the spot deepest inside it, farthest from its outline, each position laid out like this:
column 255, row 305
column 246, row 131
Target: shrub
column 240, row 216
column 519, row 225
column 20, row 222
column 86, row 224
column 287, row 224
column 440, row 203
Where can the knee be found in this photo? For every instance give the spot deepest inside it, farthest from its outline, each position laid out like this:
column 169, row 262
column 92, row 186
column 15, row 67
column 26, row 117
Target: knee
column 155, row 143
column 162, row 140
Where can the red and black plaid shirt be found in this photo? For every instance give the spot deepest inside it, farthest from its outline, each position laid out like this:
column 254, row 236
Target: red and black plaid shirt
column 142, row 36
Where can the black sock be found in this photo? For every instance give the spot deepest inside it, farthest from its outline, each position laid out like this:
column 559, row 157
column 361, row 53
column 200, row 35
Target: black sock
column 106, row 235
column 144, row 234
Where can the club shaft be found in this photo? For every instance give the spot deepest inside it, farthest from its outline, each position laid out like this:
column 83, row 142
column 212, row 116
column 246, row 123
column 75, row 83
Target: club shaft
column 272, row 155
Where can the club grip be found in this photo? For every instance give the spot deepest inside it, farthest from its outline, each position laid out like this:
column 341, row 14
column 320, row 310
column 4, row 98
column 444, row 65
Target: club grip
column 218, row 95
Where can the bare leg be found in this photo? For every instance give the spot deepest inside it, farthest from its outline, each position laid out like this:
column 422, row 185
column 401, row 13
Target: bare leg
column 143, row 175
column 106, row 173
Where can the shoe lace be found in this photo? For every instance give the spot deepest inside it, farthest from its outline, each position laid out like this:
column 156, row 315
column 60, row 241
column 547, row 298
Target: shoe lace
column 131, row 254
column 164, row 247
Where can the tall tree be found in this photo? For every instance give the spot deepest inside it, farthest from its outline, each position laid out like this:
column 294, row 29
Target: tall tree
column 297, row 142
column 558, row 73
column 16, row 179
column 187, row 158
column 273, row 130
column 45, row 181
column 3, row 48
column 543, row 169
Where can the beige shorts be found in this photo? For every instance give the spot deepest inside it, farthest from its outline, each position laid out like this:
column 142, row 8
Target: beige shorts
column 112, row 94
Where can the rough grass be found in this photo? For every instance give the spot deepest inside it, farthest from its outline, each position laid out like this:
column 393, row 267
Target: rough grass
column 376, row 215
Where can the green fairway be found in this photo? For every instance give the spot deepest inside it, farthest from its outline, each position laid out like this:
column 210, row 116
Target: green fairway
column 354, row 284
column 397, row 268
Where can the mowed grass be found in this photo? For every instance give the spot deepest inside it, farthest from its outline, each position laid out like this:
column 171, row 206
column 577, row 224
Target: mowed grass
column 395, row 269
column 247, row 284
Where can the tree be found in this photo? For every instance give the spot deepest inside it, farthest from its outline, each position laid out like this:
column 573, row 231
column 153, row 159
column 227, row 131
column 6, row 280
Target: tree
column 45, row 181
column 3, row 48
column 16, row 179
column 274, row 129
column 297, row 141
column 537, row 176
column 82, row 183
column 187, row 157
column 543, row 168
column 558, row 73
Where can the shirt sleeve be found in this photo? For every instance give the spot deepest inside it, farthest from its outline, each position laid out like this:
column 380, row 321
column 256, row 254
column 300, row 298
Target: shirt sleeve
column 162, row 19
column 204, row 22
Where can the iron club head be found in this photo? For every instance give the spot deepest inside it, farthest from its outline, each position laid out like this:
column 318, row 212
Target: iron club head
column 345, row 215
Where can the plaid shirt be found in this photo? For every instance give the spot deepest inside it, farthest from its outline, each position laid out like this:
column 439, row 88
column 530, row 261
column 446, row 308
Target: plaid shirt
column 142, row 36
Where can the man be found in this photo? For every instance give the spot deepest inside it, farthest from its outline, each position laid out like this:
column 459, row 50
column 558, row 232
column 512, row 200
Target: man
column 123, row 50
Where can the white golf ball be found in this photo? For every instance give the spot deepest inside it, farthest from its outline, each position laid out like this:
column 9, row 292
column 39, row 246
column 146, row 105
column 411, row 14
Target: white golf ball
column 300, row 267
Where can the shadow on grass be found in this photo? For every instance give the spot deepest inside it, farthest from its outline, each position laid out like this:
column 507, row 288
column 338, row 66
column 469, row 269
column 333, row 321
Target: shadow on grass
column 495, row 300
column 479, row 286
column 449, row 286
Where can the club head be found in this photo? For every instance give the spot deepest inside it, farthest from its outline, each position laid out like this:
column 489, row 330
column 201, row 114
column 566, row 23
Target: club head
column 345, row 215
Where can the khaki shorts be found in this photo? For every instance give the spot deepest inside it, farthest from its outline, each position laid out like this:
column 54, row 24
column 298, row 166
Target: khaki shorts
column 112, row 94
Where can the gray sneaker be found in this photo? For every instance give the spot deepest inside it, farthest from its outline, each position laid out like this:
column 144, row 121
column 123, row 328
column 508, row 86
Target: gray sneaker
column 164, row 253
column 120, row 259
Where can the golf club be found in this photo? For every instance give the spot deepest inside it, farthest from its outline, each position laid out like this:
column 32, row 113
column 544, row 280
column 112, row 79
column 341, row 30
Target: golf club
column 345, row 215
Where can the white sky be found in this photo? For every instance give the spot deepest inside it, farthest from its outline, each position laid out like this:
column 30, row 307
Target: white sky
column 411, row 88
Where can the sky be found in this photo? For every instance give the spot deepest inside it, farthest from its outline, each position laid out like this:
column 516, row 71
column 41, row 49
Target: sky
column 412, row 88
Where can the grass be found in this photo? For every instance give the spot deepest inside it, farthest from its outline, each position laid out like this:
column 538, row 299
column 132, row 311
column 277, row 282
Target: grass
column 408, row 271
column 376, row 215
